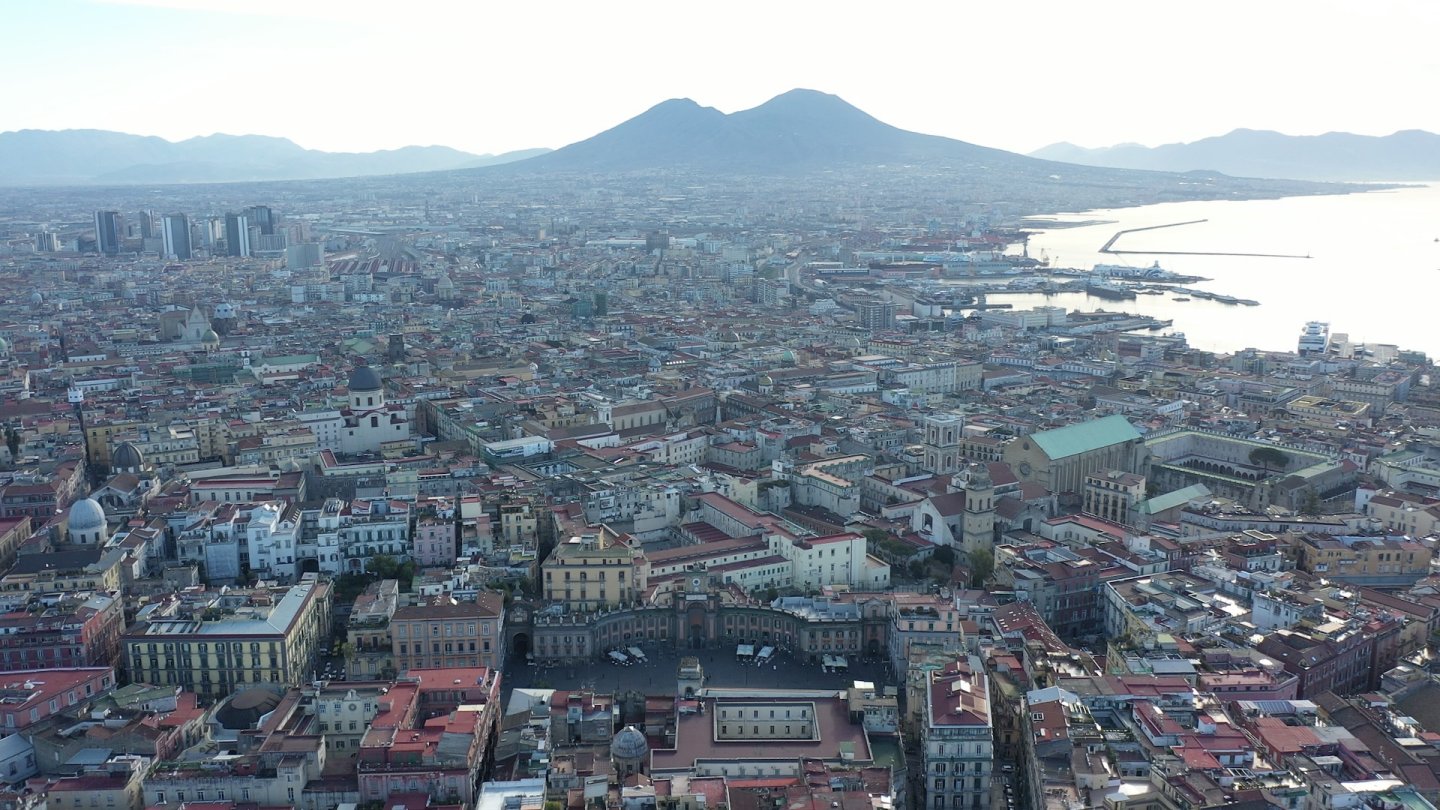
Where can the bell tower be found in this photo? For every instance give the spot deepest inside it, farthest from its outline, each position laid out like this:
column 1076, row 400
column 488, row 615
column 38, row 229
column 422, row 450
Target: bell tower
column 943, row 432
column 978, row 527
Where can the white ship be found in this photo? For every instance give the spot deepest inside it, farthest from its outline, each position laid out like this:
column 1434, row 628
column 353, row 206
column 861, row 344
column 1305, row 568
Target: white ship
column 1315, row 339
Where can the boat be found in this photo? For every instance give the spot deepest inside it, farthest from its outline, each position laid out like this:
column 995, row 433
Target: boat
column 1314, row 338
column 1113, row 292
column 1179, row 298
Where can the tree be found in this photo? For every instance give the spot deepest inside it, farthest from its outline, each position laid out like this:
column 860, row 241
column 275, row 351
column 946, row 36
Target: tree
column 12, row 441
column 383, row 566
column 945, row 555
column 1268, row 457
column 1311, row 504
column 982, row 565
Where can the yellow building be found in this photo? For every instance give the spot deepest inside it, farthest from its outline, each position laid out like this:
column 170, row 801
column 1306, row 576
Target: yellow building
column 221, row 643
column 81, row 569
column 99, row 435
column 588, row 573
column 1374, row 561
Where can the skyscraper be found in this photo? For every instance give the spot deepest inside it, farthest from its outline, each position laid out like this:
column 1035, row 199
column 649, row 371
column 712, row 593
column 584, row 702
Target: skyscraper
column 107, row 232
column 237, row 235
column 175, row 230
column 261, row 217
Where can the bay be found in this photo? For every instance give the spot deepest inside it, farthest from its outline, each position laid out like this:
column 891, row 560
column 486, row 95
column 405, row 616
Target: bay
column 1373, row 270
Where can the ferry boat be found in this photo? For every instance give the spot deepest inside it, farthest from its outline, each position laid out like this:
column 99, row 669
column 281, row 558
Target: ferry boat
column 1114, row 292
column 1315, row 338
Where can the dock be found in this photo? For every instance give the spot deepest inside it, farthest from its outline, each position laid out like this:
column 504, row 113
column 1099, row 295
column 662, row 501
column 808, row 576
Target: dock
column 1109, row 246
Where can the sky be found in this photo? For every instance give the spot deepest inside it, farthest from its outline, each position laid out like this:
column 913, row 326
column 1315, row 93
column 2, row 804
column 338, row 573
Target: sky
column 496, row 75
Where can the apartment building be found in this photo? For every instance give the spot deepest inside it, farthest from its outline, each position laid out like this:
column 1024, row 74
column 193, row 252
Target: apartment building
column 443, row 633
column 958, row 737
column 589, row 573
column 214, row 644
column 1384, row 561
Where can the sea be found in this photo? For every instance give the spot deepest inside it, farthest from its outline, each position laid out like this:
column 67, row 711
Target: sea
column 1372, row 272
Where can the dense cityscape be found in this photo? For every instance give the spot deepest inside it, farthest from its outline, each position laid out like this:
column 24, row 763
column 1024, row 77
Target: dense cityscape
column 582, row 492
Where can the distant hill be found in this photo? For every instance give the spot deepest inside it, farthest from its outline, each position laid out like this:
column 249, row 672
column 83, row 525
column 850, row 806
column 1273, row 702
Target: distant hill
column 100, row 157
column 814, row 135
column 798, row 131
column 1408, row 155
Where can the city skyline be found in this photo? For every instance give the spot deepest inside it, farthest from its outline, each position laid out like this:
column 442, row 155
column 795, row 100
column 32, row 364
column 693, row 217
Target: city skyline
column 351, row 78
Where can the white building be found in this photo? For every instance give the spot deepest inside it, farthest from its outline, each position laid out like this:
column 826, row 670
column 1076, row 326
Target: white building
column 367, row 421
column 272, row 541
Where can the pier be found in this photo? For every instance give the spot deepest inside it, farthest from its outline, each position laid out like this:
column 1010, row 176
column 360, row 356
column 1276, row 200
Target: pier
column 1109, row 246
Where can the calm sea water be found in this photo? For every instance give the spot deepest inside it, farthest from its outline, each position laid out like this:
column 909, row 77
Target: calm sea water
column 1373, row 271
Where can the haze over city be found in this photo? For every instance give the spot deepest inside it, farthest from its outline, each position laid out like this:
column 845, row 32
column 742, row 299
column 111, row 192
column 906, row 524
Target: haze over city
column 723, row 406
column 500, row 76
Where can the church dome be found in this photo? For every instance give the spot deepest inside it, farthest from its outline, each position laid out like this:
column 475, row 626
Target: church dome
column 86, row 515
column 210, row 336
column 127, row 456
column 765, row 380
column 629, row 743
column 364, row 378
column 245, row 709
column 37, row 299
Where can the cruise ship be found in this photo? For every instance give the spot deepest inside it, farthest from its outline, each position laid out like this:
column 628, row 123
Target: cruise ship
column 1315, row 339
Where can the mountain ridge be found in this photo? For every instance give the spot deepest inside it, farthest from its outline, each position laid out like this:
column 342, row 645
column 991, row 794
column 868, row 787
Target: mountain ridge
column 101, row 157
column 796, row 130
column 1409, row 154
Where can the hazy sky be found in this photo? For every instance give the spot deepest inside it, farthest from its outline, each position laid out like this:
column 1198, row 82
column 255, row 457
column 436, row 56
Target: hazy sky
column 495, row 75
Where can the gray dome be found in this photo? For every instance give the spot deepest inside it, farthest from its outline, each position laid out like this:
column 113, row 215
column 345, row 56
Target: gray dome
column 245, row 709
column 37, row 298
column 86, row 515
column 364, row 378
column 127, row 456
column 629, row 743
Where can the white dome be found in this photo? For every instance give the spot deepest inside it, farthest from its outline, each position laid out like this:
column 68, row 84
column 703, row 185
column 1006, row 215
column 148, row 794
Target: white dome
column 86, row 515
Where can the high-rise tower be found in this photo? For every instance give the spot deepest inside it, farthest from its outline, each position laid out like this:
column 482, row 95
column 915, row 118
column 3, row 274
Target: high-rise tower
column 107, row 232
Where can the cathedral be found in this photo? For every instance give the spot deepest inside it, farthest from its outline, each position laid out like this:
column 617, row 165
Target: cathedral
column 186, row 326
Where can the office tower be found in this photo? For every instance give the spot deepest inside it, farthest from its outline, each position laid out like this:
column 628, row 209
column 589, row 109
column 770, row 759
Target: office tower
column 261, row 217
column 237, row 235
column 147, row 224
column 175, row 229
column 47, row 242
column 107, row 232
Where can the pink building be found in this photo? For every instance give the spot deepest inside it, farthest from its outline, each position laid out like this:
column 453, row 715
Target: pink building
column 434, row 542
